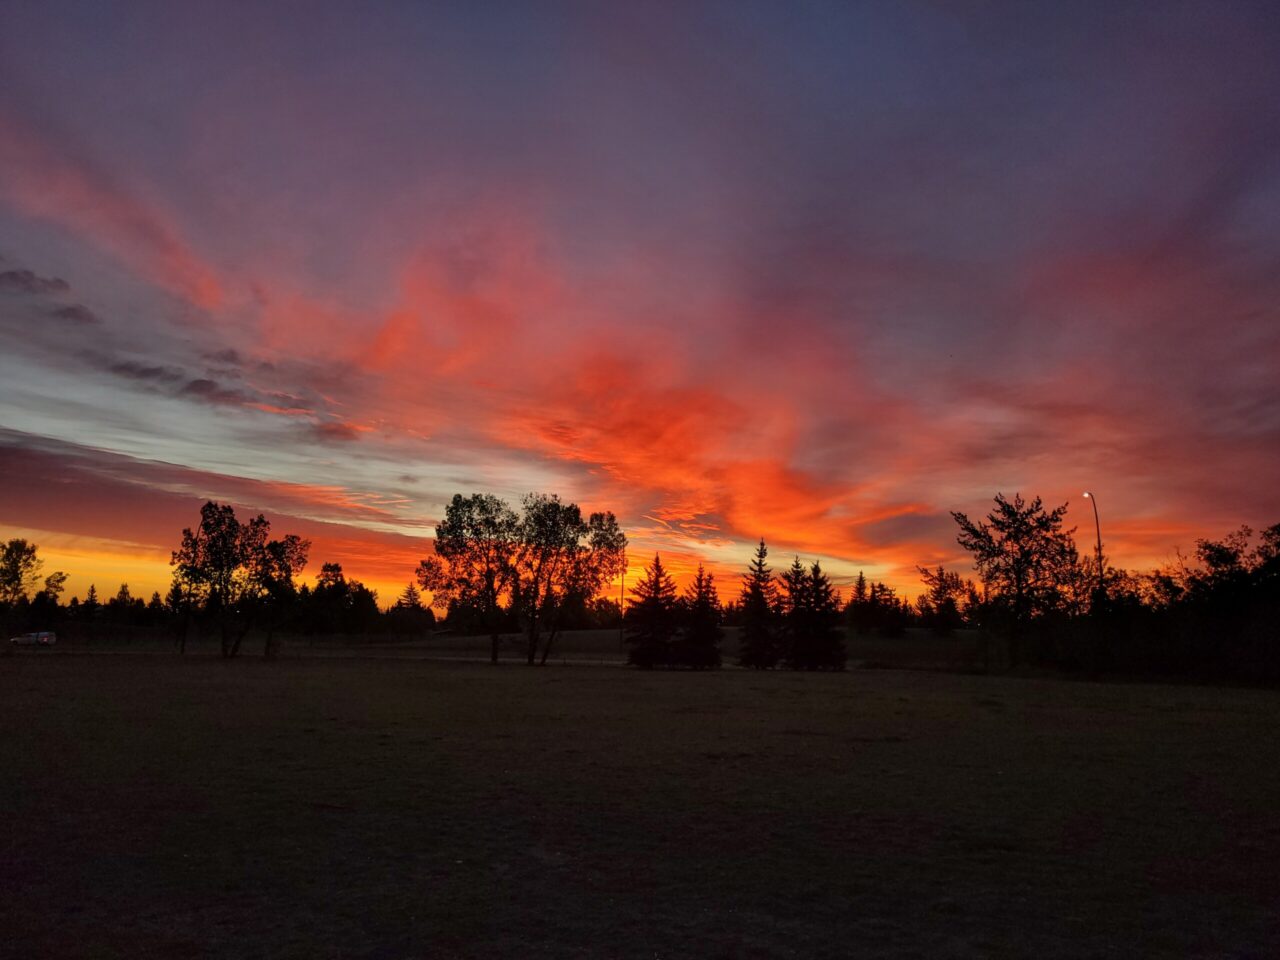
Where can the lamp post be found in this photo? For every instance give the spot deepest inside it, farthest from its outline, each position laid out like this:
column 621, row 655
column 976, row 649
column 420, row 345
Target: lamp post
column 1097, row 525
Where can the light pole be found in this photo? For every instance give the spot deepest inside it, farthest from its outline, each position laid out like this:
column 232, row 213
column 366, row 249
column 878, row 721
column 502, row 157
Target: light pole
column 1097, row 525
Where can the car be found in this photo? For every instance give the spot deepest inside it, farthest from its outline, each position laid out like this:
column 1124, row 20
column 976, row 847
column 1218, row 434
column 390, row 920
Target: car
column 41, row 638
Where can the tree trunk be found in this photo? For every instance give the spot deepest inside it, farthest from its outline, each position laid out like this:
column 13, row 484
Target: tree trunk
column 493, row 649
column 531, row 638
column 546, row 650
column 269, row 647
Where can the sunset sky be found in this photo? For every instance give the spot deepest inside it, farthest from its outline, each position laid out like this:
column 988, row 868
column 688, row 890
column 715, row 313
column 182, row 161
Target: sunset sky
column 819, row 273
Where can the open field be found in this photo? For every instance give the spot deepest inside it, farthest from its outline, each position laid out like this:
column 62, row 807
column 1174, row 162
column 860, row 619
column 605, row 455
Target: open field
column 916, row 649
column 393, row 808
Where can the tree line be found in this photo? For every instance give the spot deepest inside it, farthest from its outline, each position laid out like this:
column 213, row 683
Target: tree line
column 229, row 578
column 540, row 569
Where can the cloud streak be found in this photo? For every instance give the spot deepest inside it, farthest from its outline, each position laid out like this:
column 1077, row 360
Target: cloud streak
column 47, row 182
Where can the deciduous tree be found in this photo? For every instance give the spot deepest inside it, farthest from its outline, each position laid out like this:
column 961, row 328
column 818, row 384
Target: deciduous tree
column 1022, row 552
column 19, row 571
column 476, row 547
column 233, row 568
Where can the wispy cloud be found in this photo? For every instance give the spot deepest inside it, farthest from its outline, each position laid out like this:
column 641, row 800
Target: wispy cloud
column 24, row 281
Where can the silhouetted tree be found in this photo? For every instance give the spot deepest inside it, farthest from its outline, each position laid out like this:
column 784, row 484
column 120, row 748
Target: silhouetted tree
column 939, row 605
column 91, row 608
column 599, row 558
column 271, row 572
column 859, row 611
column 41, row 611
column 476, row 547
column 698, row 643
column 19, row 571
column 652, row 618
column 547, row 562
column 795, row 622
column 759, row 639
column 232, row 568
column 339, row 605
column 824, row 649
column 560, row 555
column 1021, row 551
column 408, row 615
column 54, row 584
column 811, row 619
column 180, row 604
column 123, row 610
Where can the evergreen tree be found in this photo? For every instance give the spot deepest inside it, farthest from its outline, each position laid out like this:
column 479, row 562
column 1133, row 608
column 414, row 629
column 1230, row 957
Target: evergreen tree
column 796, row 627
column 811, row 610
column 759, row 644
column 155, row 609
column 652, row 617
column 826, row 647
column 409, row 599
column 860, row 611
column 699, row 643
column 408, row 614
column 940, row 606
column 91, row 605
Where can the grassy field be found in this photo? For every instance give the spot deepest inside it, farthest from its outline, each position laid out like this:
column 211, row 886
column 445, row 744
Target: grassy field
column 393, row 808
column 916, row 649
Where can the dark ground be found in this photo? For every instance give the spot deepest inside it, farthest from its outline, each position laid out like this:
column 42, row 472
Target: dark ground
column 393, row 808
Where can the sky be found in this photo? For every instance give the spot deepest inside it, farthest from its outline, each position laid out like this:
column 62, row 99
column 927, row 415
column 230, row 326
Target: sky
column 817, row 273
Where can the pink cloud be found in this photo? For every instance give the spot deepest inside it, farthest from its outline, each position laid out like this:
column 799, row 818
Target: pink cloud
column 43, row 181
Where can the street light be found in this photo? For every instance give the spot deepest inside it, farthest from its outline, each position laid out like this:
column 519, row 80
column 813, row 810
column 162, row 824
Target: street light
column 1098, row 527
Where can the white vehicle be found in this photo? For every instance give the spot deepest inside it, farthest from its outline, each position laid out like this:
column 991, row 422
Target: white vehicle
column 43, row 638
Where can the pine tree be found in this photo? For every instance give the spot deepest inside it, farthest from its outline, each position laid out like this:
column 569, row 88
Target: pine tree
column 699, row 643
column 860, row 589
column 408, row 615
column 796, row 616
column 409, row 599
column 652, row 618
column 91, row 606
column 826, row 637
column 940, row 606
column 859, row 610
column 155, row 609
column 759, row 645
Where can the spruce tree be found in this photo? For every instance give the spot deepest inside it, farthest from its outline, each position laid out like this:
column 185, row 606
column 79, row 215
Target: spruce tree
column 759, row 645
column 409, row 599
column 652, row 618
column 91, row 605
column 826, row 636
column 859, row 611
column 796, row 632
column 699, row 643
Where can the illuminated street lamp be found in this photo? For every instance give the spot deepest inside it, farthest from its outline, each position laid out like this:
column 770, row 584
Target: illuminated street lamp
column 1098, row 527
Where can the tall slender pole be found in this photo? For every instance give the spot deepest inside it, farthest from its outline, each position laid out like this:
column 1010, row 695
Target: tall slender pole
column 1097, row 525
column 622, row 599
